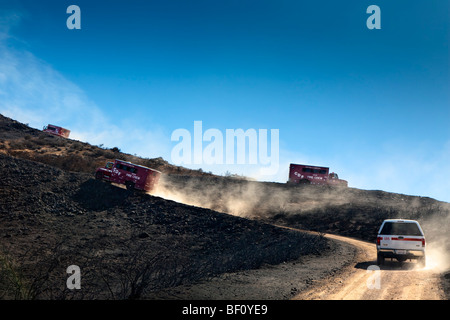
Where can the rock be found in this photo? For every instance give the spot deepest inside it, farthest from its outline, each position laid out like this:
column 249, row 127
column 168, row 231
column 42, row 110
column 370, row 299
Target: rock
column 143, row 235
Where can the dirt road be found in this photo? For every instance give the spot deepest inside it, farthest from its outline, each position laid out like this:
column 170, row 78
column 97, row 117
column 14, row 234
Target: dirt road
column 340, row 274
column 365, row 281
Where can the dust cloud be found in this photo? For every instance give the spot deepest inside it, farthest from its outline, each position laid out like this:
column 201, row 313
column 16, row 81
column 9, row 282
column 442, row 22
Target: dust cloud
column 345, row 211
column 437, row 234
column 246, row 198
column 233, row 197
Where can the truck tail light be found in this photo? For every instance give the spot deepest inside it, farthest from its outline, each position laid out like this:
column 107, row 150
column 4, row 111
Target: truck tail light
column 423, row 242
column 378, row 240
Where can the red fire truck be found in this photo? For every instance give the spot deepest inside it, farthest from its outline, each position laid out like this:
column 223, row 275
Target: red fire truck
column 304, row 174
column 58, row 131
column 131, row 175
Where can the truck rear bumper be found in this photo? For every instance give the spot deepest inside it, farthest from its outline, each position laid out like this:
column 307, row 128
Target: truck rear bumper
column 395, row 253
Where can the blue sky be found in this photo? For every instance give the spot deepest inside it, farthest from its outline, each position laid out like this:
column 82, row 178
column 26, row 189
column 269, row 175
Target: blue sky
column 373, row 105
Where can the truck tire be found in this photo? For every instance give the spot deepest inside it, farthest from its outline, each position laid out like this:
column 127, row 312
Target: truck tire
column 422, row 261
column 99, row 176
column 380, row 259
column 304, row 181
column 129, row 185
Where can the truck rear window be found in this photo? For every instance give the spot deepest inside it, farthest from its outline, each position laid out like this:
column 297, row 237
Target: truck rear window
column 401, row 228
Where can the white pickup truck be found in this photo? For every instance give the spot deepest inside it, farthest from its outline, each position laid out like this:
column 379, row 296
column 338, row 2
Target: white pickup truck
column 400, row 239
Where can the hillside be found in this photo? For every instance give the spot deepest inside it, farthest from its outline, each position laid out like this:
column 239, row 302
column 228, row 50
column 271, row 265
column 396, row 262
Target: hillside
column 54, row 214
column 20, row 140
column 127, row 244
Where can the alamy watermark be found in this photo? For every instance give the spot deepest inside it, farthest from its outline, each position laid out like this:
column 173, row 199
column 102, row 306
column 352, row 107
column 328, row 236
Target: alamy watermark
column 374, row 280
column 234, row 146
column 74, row 280
column 74, row 20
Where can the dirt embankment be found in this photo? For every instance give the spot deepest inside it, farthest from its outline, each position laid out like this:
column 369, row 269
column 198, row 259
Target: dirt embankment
column 126, row 244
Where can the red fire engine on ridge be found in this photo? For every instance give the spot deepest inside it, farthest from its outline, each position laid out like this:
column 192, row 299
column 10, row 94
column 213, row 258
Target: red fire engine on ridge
column 299, row 173
column 58, row 131
column 131, row 175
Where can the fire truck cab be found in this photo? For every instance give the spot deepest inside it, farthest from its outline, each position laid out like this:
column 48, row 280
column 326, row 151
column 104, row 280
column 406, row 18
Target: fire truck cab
column 131, row 175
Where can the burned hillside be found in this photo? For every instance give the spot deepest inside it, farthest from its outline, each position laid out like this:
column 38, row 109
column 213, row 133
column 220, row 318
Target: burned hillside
column 126, row 243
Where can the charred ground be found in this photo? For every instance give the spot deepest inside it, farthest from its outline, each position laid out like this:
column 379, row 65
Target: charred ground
column 126, row 243
column 54, row 214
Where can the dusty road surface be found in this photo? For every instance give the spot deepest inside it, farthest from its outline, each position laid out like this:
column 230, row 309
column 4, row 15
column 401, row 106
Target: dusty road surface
column 365, row 281
column 339, row 274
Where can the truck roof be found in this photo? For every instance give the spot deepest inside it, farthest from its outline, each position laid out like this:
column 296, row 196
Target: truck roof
column 136, row 165
column 308, row 166
column 55, row 126
column 401, row 220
